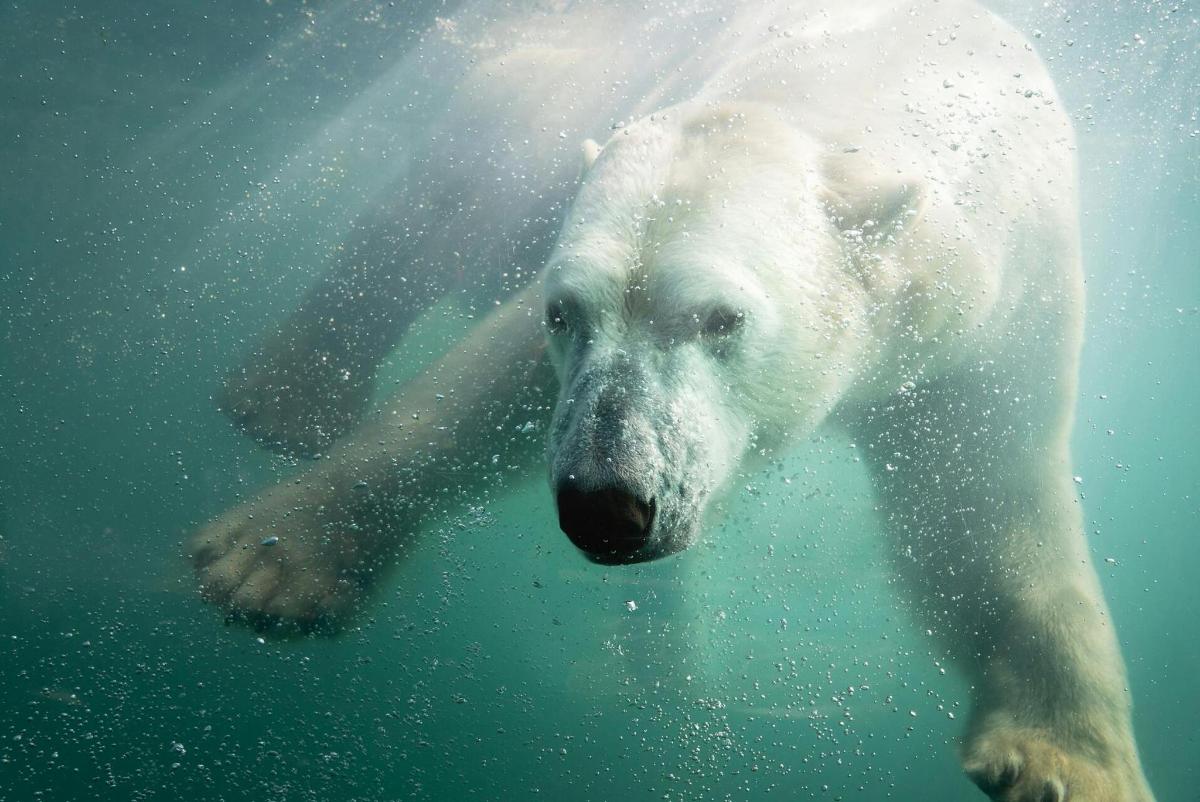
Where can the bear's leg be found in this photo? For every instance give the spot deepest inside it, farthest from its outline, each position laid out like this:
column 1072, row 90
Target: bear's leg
column 309, row 381
column 469, row 229
column 976, row 490
column 303, row 553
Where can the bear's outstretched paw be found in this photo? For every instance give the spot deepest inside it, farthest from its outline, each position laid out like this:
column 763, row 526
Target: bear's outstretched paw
column 285, row 565
column 1014, row 764
column 296, row 395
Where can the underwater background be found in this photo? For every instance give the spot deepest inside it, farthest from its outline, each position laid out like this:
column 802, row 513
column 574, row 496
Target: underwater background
column 173, row 176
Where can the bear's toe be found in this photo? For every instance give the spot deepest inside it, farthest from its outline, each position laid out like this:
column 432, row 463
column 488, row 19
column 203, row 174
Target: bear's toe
column 1027, row 765
column 995, row 774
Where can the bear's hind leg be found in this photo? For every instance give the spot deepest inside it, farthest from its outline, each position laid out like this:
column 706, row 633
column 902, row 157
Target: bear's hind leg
column 302, row 388
column 310, row 381
column 977, row 495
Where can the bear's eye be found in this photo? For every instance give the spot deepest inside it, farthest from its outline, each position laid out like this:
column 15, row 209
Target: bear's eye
column 556, row 318
column 722, row 322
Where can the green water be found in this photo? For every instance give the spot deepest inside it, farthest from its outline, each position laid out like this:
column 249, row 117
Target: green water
column 167, row 190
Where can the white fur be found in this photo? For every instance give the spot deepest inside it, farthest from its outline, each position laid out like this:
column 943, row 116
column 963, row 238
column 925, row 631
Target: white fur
column 883, row 194
column 892, row 211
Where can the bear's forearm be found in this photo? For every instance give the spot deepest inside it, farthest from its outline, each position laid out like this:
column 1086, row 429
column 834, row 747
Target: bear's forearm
column 443, row 426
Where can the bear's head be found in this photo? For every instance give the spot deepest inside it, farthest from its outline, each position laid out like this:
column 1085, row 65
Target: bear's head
column 692, row 319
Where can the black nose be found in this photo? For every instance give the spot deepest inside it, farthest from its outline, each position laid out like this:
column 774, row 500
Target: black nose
column 609, row 524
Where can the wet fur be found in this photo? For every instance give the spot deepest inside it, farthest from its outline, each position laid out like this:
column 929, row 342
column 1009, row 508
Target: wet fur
column 896, row 222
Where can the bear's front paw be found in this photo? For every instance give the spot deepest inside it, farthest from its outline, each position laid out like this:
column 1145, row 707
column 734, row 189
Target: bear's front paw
column 285, row 563
column 1017, row 764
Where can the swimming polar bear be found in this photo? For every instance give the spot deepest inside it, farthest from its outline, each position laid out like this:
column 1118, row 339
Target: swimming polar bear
column 863, row 217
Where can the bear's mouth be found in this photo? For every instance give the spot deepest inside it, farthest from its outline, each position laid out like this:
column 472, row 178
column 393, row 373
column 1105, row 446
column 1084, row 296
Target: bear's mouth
column 664, row 544
column 617, row 557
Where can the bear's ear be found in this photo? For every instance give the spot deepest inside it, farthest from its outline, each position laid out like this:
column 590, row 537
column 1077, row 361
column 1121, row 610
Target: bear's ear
column 591, row 152
column 869, row 201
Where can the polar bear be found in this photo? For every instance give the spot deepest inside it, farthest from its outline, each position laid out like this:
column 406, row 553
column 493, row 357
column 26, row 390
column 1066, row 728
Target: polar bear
column 863, row 218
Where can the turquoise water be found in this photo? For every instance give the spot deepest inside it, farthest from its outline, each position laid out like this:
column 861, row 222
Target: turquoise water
column 170, row 182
